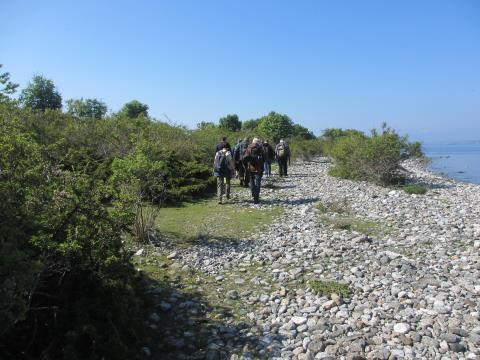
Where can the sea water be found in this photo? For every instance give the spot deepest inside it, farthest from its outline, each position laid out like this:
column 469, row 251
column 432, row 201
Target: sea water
column 457, row 161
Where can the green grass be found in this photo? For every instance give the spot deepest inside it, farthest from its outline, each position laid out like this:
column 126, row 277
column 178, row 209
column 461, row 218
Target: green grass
column 327, row 288
column 363, row 226
column 415, row 189
column 206, row 220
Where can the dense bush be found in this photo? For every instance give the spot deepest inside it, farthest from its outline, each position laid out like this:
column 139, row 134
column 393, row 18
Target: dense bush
column 67, row 287
column 306, row 149
column 375, row 158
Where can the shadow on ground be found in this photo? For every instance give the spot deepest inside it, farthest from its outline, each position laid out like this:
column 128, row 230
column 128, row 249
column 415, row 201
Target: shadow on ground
column 184, row 324
column 280, row 201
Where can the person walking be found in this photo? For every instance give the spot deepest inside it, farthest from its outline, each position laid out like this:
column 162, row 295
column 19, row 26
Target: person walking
column 269, row 155
column 223, row 143
column 239, row 154
column 254, row 159
column 282, row 153
column 223, row 167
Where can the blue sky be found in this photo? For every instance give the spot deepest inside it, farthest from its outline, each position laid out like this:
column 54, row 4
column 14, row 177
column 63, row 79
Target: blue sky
column 350, row 64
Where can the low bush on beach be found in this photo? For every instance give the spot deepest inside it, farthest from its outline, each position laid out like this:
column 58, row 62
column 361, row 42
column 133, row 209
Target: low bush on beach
column 415, row 189
column 376, row 157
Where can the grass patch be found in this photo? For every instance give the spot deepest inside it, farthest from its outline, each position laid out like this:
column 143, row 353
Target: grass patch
column 415, row 189
column 335, row 206
column 327, row 288
column 367, row 227
column 321, row 208
column 208, row 221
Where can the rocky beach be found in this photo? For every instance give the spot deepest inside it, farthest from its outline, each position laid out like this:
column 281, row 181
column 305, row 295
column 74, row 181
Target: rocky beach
column 350, row 270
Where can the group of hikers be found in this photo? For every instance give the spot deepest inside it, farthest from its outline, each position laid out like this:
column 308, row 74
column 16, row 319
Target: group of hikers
column 248, row 161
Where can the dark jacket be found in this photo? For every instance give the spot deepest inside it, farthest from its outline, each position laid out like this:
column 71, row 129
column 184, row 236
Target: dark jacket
column 268, row 152
column 253, row 163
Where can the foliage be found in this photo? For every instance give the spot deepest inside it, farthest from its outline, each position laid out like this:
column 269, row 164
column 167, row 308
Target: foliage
column 250, row 125
column 415, row 150
column 415, row 189
column 275, row 126
column 86, row 108
column 158, row 176
column 306, row 149
column 134, row 109
column 333, row 134
column 6, row 86
column 230, row 123
column 374, row 158
column 68, row 289
column 327, row 288
column 41, row 94
column 302, row 132
column 205, row 125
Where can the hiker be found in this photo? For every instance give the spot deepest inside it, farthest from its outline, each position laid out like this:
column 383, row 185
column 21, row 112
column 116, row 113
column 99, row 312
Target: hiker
column 269, row 155
column 253, row 160
column 223, row 143
column 282, row 153
column 223, row 166
column 238, row 154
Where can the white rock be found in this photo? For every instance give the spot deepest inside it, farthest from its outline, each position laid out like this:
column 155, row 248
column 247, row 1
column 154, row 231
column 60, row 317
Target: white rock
column 401, row 328
column 299, row 320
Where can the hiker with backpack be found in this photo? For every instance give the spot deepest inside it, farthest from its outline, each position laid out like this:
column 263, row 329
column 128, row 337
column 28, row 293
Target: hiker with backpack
column 269, row 155
column 254, row 162
column 238, row 154
column 223, row 167
column 282, row 153
column 223, row 143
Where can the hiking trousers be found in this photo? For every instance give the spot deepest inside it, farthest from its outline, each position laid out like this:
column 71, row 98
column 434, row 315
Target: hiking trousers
column 282, row 166
column 255, row 184
column 223, row 187
column 267, row 167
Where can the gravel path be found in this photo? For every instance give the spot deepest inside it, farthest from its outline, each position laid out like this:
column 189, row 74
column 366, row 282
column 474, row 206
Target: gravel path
column 414, row 281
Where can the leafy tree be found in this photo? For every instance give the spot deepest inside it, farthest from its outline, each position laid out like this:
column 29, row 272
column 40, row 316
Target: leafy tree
column 276, row 126
column 41, row 94
column 230, row 123
column 86, row 108
column 333, row 134
column 302, row 132
column 205, row 125
column 6, row 86
column 134, row 109
column 250, row 125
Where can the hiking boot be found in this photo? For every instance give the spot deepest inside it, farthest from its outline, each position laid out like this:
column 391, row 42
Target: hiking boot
column 228, row 197
column 256, row 200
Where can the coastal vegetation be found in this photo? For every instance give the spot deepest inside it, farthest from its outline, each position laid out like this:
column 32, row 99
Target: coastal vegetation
column 78, row 188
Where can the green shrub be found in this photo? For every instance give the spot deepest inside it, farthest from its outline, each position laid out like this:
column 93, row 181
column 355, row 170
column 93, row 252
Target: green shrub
column 415, row 189
column 374, row 158
column 306, row 149
column 67, row 286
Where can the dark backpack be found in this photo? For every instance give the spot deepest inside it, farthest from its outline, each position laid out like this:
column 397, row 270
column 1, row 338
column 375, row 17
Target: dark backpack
column 254, row 157
column 222, row 166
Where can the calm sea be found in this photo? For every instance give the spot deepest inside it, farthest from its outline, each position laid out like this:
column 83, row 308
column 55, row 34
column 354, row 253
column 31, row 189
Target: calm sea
column 461, row 162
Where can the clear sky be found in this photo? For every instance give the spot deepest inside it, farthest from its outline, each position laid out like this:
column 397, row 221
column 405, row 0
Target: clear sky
column 350, row 64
